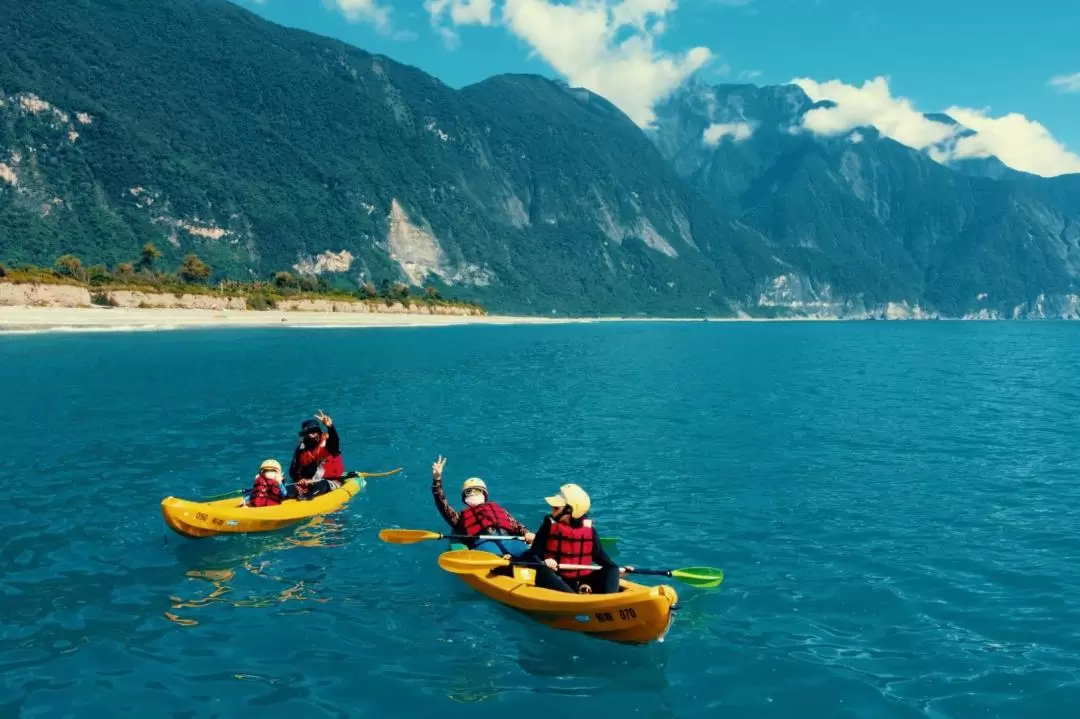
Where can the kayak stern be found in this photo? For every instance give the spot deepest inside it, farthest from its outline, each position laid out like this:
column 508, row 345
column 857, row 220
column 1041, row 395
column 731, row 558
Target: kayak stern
column 197, row 520
column 637, row 614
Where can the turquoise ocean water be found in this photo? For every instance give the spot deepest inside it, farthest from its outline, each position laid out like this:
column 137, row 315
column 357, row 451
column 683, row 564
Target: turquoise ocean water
column 896, row 507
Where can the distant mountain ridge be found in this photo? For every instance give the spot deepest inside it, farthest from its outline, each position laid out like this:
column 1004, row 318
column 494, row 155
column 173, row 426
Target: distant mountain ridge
column 199, row 126
column 873, row 220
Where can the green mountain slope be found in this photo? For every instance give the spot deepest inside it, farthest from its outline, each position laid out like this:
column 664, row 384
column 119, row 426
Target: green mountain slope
column 197, row 125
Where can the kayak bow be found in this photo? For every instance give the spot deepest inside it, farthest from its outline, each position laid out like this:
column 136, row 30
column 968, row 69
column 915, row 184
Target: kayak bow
column 637, row 614
column 196, row 520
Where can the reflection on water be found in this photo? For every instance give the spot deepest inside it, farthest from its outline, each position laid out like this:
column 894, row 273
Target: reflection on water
column 491, row 651
column 251, row 557
column 895, row 505
column 580, row 663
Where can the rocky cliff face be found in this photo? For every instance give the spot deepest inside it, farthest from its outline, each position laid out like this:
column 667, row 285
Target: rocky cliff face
column 868, row 221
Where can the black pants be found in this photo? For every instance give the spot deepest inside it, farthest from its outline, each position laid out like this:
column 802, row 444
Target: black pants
column 313, row 490
column 602, row 581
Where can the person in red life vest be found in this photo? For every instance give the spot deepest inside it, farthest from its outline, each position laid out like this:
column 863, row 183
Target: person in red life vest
column 267, row 490
column 567, row 536
column 480, row 516
column 317, row 459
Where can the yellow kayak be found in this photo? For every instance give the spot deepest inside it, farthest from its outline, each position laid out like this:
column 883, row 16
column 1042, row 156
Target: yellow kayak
column 637, row 614
column 230, row 516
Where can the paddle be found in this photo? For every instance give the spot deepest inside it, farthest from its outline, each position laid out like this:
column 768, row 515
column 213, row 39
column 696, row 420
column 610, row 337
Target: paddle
column 467, row 561
column 347, row 475
column 412, row 536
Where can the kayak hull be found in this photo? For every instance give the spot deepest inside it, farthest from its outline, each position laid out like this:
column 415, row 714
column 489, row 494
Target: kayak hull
column 197, row 520
column 637, row 614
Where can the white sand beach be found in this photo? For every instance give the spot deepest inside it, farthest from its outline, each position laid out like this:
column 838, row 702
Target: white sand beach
column 37, row 319
column 24, row 319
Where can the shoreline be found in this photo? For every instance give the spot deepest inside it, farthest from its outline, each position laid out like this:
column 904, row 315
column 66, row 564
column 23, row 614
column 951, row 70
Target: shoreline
column 33, row 320
column 23, row 319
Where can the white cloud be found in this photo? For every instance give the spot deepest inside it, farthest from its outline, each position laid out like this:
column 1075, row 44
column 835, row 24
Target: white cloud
column 606, row 46
column 580, row 42
column 717, row 131
column 871, row 104
column 1020, row 143
column 365, row 11
column 449, row 37
column 609, row 47
column 1066, row 83
column 459, row 12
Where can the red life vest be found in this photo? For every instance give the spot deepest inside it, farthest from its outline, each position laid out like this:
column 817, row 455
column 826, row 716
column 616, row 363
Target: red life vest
column 485, row 518
column 265, row 492
column 570, row 545
column 319, row 457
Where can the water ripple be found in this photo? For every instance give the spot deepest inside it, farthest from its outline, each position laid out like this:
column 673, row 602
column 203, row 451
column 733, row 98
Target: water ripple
column 895, row 506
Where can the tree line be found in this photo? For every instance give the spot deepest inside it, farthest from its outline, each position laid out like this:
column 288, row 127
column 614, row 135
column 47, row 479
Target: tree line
column 194, row 273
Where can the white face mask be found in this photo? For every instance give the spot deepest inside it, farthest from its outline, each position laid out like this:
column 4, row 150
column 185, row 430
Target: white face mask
column 271, row 474
column 474, row 499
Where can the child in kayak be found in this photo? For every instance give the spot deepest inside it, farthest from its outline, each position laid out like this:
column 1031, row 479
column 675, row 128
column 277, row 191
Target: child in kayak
column 316, row 459
column 567, row 536
column 480, row 516
column 268, row 489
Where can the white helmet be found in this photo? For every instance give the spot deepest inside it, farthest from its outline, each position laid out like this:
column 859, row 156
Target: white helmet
column 572, row 496
column 474, row 483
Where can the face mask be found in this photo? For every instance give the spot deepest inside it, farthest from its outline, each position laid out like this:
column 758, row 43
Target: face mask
column 474, row 499
column 271, row 474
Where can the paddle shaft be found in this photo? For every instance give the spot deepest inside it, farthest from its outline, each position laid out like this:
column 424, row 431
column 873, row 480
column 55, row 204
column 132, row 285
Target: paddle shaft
column 594, row 567
column 241, row 492
column 498, row 537
column 482, row 537
column 350, row 475
column 411, row 536
column 466, row 561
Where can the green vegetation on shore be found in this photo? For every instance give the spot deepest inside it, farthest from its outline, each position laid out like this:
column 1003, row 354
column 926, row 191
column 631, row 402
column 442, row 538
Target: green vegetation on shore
column 193, row 275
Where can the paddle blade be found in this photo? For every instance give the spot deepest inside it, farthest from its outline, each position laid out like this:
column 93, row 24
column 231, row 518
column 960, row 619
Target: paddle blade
column 704, row 577
column 378, row 474
column 610, row 544
column 227, row 495
column 469, row 561
column 407, row 536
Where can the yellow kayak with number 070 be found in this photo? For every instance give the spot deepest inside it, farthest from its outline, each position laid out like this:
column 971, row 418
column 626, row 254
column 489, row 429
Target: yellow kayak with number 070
column 637, row 614
column 229, row 516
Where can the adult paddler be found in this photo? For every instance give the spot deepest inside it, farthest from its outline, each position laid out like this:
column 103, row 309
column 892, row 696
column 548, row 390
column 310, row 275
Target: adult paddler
column 480, row 516
column 316, row 459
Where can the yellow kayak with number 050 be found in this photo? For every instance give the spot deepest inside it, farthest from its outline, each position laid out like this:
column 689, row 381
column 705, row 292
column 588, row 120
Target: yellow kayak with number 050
column 637, row 614
column 229, row 516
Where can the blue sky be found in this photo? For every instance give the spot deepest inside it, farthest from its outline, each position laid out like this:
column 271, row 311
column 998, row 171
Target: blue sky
column 992, row 62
